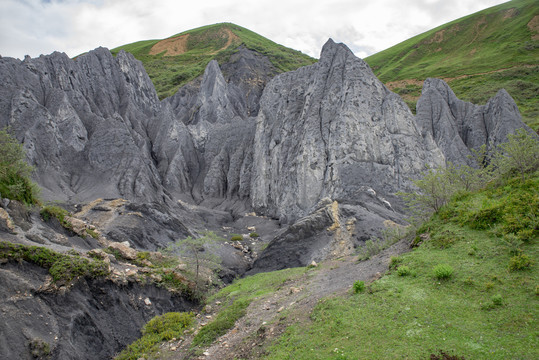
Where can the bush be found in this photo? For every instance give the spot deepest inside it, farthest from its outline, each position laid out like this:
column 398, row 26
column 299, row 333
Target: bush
column 520, row 262
column 236, row 237
column 253, row 235
column 443, row 271
column 160, row 328
column 518, row 156
column 15, row 183
column 358, row 286
column 403, row 270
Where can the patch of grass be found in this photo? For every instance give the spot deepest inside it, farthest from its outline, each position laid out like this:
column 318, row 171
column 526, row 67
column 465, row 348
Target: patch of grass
column 254, row 235
column 62, row 267
column 236, row 237
column 237, row 298
column 161, row 328
column 53, row 211
column 403, row 270
column 484, row 311
column 443, row 271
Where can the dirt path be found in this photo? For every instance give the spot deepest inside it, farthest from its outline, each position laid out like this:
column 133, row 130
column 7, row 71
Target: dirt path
column 269, row 316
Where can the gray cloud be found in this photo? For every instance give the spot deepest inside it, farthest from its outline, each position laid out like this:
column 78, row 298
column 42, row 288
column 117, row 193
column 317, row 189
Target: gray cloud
column 74, row 26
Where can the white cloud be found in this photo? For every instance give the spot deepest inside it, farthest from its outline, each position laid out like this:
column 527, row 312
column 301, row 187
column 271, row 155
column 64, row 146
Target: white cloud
column 75, row 26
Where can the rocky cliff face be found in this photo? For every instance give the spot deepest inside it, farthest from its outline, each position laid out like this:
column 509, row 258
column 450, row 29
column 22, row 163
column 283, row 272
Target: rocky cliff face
column 329, row 130
column 458, row 126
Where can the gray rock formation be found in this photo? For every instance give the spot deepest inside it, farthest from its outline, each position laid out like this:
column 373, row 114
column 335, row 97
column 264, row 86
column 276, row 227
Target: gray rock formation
column 327, row 130
column 458, row 126
column 95, row 319
column 84, row 124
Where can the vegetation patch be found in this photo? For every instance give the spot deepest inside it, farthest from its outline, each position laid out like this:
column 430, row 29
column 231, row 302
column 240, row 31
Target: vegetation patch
column 483, row 242
column 62, row 267
column 161, row 328
column 53, row 211
column 15, row 183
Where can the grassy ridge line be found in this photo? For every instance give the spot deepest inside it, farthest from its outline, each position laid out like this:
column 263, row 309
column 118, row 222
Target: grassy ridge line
column 477, row 55
column 204, row 44
column 487, row 40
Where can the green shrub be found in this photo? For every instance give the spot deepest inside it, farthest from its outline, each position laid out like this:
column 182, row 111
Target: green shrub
column 236, row 237
column 161, row 328
column 520, row 262
column 253, row 235
column 403, row 270
column 358, row 286
column 15, row 183
column 92, row 233
column 443, row 271
column 39, row 348
column 394, row 262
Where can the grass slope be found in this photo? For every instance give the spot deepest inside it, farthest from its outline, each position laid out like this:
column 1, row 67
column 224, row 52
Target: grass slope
column 487, row 308
column 477, row 55
column 172, row 62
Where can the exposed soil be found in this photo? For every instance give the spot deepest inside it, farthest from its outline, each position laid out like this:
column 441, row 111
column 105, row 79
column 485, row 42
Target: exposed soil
column 533, row 25
column 178, row 45
column 269, row 316
column 173, row 46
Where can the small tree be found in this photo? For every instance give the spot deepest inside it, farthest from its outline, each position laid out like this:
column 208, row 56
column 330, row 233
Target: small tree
column 15, row 173
column 519, row 155
column 196, row 249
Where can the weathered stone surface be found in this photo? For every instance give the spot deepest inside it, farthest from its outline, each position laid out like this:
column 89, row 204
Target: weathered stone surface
column 83, row 123
column 328, row 129
column 458, row 126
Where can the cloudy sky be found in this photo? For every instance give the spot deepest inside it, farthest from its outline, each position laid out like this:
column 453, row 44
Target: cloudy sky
column 34, row 27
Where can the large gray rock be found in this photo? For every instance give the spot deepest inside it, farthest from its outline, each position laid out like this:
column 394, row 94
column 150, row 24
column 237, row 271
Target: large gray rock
column 458, row 126
column 329, row 129
column 83, row 124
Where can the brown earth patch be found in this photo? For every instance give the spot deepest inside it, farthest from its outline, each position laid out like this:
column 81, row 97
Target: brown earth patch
column 172, row 46
column 473, row 51
column 509, row 13
column 392, row 85
column 533, row 25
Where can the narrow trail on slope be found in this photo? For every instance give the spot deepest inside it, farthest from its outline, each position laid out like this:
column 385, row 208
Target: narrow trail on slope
column 268, row 317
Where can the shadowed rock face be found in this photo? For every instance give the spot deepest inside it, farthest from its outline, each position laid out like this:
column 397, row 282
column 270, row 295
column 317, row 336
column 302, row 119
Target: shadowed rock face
column 458, row 126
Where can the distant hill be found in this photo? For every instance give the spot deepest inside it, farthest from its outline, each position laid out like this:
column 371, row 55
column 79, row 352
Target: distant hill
column 477, row 55
column 176, row 60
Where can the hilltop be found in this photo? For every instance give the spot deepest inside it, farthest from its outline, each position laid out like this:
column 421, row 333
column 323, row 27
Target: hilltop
column 477, row 55
column 178, row 59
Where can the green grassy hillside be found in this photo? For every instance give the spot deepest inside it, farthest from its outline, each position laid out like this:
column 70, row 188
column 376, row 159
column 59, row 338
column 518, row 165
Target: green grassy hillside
column 174, row 61
column 470, row 290
column 477, row 55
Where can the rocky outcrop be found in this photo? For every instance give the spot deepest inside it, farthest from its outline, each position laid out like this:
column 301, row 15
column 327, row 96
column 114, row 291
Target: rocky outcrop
column 328, row 129
column 84, row 124
column 94, row 319
column 458, row 126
